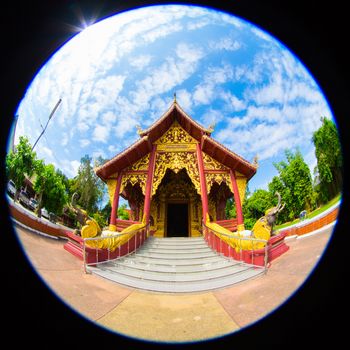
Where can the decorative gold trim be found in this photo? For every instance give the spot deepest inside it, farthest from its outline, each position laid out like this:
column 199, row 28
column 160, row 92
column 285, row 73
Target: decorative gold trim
column 212, row 164
column 112, row 228
column 210, row 178
column 141, row 164
column 240, row 227
column 242, row 185
column 133, row 179
column 182, row 147
column 176, row 161
column 111, row 186
column 175, row 135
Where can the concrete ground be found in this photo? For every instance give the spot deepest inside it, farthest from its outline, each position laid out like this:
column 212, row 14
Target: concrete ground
column 172, row 317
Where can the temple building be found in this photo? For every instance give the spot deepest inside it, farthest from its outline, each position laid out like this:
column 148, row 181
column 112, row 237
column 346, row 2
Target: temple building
column 175, row 175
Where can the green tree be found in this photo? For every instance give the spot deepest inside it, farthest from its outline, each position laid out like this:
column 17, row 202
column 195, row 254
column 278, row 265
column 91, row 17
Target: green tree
column 255, row 206
column 123, row 213
column 329, row 159
column 50, row 187
column 106, row 211
column 294, row 183
column 100, row 219
column 88, row 185
column 20, row 163
column 230, row 209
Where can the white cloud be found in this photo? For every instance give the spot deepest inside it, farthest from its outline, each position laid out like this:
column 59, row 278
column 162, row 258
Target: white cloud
column 108, row 118
column 198, row 24
column 158, row 106
column 82, row 126
column 261, row 34
column 189, row 53
column 84, row 142
column 205, row 92
column 98, row 153
column 184, row 99
column 262, row 139
column 211, row 117
column 107, row 90
column 101, row 133
column 161, row 31
column 65, row 139
column 124, row 125
column 233, row 103
column 227, row 44
column 165, row 77
column 140, row 62
column 231, row 20
column 269, row 93
column 47, row 152
column 69, row 167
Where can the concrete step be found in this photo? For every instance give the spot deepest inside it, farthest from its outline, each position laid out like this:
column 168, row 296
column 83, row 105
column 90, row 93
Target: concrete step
column 177, row 261
column 177, row 286
column 171, row 242
column 176, row 254
column 161, row 266
column 175, row 265
column 175, row 249
column 176, row 276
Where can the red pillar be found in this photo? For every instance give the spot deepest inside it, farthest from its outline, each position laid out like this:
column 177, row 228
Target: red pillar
column 203, row 183
column 115, row 204
column 149, row 182
column 240, row 221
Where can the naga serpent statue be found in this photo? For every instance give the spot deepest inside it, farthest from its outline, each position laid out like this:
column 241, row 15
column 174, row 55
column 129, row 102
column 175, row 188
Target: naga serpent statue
column 91, row 229
column 262, row 229
column 83, row 218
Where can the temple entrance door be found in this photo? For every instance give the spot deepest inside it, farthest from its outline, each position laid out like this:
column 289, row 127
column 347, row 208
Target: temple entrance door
column 177, row 220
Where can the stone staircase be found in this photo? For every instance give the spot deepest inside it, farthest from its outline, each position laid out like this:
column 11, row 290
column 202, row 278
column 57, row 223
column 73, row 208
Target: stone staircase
column 176, row 265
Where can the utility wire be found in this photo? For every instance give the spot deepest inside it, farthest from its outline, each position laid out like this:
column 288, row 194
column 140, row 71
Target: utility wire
column 53, row 111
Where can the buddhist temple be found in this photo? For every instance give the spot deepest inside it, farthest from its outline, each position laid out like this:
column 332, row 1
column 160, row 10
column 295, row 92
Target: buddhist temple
column 175, row 175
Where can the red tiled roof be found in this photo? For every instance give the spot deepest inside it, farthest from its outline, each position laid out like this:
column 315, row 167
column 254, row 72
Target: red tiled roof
column 143, row 146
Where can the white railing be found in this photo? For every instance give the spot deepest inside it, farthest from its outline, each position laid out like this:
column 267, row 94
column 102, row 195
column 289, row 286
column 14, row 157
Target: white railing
column 93, row 255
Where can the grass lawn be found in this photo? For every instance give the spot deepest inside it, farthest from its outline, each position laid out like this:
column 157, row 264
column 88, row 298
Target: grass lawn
column 311, row 214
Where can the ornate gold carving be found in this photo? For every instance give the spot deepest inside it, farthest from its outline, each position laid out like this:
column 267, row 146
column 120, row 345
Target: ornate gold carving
column 133, row 179
column 174, row 135
column 177, row 147
column 218, row 178
column 111, row 185
column 141, row 164
column 241, row 184
column 212, row 164
column 176, row 162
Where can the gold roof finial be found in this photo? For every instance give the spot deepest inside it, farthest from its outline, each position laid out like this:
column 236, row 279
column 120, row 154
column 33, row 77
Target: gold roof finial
column 139, row 130
column 255, row 161
column 174, row 97
column 211, row 128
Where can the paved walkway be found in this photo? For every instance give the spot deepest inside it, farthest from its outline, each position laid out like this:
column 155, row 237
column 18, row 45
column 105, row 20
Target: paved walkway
column 172, row 317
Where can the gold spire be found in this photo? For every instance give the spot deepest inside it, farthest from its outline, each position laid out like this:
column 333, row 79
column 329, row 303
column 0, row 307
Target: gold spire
column 174, row 97
column 210, row 128
column 139, row 130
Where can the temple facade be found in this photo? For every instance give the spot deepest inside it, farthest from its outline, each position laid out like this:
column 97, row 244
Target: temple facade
column 175, row 175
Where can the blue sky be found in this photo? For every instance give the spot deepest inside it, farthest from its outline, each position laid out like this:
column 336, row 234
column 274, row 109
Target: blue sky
column 123, row 71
